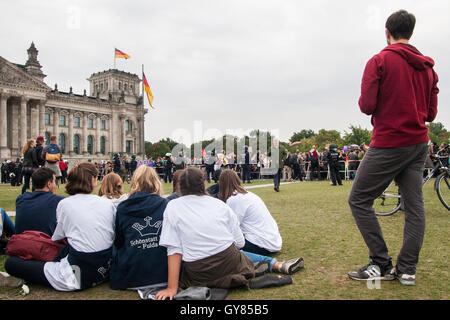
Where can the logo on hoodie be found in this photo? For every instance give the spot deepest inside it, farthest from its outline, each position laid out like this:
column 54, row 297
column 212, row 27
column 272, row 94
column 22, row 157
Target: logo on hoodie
column 148, row 229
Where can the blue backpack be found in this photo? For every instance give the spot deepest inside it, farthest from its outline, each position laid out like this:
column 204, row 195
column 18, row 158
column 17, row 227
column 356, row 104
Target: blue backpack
column 52, row 153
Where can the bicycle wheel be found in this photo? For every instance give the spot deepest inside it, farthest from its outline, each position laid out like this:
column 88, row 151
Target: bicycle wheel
column 442, row 187
column 389, row 201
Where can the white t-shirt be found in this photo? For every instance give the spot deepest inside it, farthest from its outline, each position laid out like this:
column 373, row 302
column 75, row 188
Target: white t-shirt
column 198, row 227
column 117, row 201
column 87, row 222
column 256, row 222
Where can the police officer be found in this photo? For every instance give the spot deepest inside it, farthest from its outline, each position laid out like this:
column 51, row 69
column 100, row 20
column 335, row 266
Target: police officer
column 168, row 164
column 333, row 157
column 209, row 165
column 246, row 167
column 133, row 165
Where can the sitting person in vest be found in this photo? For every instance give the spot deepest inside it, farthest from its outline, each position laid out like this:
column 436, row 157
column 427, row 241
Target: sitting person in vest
column 257, row 224
column 204, row 233
column 87, row 222
column 37, row 210
column 138, row 259
column 51, row 154
column 111, row 188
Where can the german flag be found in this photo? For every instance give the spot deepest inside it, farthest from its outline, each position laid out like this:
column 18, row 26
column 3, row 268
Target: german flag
column 121, row 54
column 147, row 90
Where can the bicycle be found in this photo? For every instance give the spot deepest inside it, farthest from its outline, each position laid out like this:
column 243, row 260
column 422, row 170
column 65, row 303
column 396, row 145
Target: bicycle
column 389, row 202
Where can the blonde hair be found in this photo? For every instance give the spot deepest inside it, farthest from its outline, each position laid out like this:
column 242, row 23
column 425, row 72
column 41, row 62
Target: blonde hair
column 26, row 146
column 111, row 186
column 146, row 179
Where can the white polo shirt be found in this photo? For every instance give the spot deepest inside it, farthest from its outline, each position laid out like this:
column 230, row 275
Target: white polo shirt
column 198, row 227
column 256, row 222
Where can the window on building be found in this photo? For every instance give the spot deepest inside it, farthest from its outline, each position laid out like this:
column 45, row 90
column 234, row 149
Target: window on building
column 62, row 120
column 101, row 87
column 128, row 147
column 120, row 85
column 77, row 122
column 125, row 87
column 103, row 124
column 47, row 138
column 62, row 142
column 103, row 145
column 90, row 145
column 90, row 123
column 128, row 125
column 47, row 118
column 76, row 144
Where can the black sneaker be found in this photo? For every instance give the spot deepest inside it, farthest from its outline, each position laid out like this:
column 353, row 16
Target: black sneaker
column 373, row 272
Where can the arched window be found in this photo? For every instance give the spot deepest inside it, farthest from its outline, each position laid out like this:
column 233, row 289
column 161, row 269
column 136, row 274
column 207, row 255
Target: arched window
column 103, row 145
column 62, row 142
column 76, row 144
column 90, row 144
column 47, row 138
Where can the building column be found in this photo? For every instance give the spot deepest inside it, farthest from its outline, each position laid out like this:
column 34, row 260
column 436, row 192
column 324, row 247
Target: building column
column 124, row 136
column 41, row 117
column 23, row 122
column 97, row 133
column 84, row 150
column 69, row 141
column 110, row 128
column 56, row 122
column 3, row 126
column 142, row 130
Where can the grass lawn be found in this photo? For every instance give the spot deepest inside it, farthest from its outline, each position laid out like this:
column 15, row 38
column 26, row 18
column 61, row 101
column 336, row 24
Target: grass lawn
column 315, row 222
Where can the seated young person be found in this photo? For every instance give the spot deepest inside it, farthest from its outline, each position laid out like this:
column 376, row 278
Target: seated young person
column 37, row 210
column 138, row 260
column 111, row 188
column 257, row 224
column 175, row 193
column 204, row 233
column 87, row 222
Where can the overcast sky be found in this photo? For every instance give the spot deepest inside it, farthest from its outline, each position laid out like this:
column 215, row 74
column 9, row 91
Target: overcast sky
column 234, row 64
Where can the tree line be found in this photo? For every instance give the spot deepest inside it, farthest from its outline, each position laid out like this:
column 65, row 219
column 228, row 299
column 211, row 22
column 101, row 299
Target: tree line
column 356, row 135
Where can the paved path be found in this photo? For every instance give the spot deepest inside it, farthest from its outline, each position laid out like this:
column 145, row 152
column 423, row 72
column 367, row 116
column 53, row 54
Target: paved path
column 13, row 213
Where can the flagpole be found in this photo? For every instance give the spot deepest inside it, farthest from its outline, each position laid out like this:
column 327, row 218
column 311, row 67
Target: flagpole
column 143, row 100
column 114, row 58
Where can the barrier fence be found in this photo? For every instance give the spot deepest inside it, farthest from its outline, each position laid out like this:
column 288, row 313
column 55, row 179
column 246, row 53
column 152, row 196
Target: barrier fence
column 260, row 172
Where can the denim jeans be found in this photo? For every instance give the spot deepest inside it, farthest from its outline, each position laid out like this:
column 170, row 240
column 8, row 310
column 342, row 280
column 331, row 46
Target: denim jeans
column 257, row 258
column 6, row 225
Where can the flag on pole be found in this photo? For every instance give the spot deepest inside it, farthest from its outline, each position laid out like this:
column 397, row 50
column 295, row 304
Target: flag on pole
column 147, row 90
column 120, row 54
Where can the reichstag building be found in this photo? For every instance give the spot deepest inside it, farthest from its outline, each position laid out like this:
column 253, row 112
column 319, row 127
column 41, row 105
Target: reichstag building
column 109, row 120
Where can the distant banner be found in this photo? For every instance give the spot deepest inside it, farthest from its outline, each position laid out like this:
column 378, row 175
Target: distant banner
column 148, row 163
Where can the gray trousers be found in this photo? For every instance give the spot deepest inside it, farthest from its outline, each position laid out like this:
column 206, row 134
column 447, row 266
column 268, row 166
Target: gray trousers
column 379, row 167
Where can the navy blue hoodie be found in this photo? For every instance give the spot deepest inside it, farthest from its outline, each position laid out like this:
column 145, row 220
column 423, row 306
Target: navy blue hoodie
column 138, row 260
column 37, row 211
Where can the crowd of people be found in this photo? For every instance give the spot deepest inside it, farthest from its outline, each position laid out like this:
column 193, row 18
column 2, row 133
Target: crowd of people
column 222, row 237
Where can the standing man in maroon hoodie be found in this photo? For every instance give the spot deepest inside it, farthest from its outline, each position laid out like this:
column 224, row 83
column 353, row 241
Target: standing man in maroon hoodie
column 399, row 92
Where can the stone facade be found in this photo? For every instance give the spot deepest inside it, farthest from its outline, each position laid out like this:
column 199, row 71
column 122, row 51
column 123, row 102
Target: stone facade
column 109, row 120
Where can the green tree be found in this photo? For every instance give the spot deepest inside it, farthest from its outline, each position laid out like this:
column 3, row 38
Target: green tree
column 304, row 134
column 325, row 137
column 357, row 135
column 436, row 128
column 147, row 148
column 159, row 149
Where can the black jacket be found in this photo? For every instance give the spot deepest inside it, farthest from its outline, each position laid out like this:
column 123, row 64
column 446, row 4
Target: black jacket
column 30, row 158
